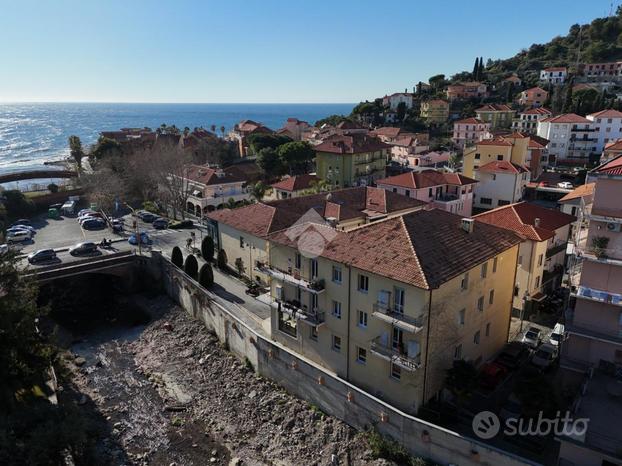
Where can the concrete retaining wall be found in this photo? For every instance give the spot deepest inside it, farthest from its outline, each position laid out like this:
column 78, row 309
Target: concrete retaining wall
column 315, row 384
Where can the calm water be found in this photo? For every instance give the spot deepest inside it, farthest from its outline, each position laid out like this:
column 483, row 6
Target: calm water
column 31, row 134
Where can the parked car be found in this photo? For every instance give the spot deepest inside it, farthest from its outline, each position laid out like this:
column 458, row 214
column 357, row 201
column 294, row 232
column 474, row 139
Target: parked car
column 22, row 227
column 42, row 255
column 117, row 224
column 177, row 224
column 545, row 356
column 491, row 375
column 4, row 248
column 557, row 336
column 565, row 185
column 18, row 236
column 148, row 217
column 144, row 239
column 85, row 211
column 511, row 409
column 160, row 223
column 532, row 337
column 22, row 221
column 513, row 355
column 93, row 224
column 83, row 249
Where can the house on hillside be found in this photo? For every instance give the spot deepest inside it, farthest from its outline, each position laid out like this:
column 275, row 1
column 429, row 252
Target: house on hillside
column 469, row 131
column 435, row 111
column 572, row 137
column 242, row 130
column 294, row 128
column 554, row 75
column 527, row 121
column 533, row 97
column 467, row 90
column 293, row 186
column 212, row 188
column 498, row 115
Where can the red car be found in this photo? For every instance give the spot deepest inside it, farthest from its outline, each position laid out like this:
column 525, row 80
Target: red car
column 491, row 375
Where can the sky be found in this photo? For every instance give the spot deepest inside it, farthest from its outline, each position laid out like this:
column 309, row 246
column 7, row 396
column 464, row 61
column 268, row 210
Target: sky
column 259, row 51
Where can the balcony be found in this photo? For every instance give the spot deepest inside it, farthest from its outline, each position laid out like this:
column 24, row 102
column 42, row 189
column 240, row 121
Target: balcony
column 582, row 130
column 447, row 197
column 300, row 312
column 591, row 294
column 556, row 249
column 217, row 199
column 368, row 160
column 610, row 256
column 394, row 355
column 292, row 277
column 396, row 318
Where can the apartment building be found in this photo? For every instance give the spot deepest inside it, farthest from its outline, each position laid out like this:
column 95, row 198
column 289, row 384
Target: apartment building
column 607, row 125
column 545, row 234
column 468, row 90
column 554, row 75
column 579, row 199
column 294, row 128
column 527, row 120
column 592, row 354
column 469, row 131
column 499, row 183
column 435, row 111
column 498, row 115
column 572, row 139
column 533, row 97
column 352, row 159
column 242, row 233
column 389, row 306
column 394, row 100
column 451, row 192
column 211, row 188
column 611, row 71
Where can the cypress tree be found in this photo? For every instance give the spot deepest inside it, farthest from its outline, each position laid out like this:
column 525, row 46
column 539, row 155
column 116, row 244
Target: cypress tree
column 510, row 93
column 480, row 73
column 207, row 248
column 568, row 105
column 475, row 72
column 191, row 266
column 206, row 276
column 177, row 258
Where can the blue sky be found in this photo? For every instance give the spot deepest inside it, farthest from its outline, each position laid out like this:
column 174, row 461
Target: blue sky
column 259, row 51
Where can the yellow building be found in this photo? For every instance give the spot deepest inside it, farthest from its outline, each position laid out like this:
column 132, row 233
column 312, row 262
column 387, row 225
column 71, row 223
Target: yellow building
column 498, row 115
column 352, row 159
column 435, row 111
column 389, row 305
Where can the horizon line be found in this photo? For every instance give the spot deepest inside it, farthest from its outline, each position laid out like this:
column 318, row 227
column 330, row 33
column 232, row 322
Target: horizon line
column 168, row 103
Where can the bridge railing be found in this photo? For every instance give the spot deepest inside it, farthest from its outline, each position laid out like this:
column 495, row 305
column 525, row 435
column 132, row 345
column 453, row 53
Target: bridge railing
column 114, row 257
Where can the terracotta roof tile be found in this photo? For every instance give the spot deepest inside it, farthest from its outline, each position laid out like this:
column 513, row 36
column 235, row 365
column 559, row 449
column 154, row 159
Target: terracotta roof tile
column 502, row 166
column 350, row 144
column 606, row 114
column 426, row 179
column 580, row 191
column 494, row 108
column 209, row 176
column 296, row 183
column 612, row 167
column 567, row 118
column 537, row 111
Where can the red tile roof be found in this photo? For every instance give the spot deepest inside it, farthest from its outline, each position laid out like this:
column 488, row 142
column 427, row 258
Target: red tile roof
column 612, row 167
column 537, row 111
column 521, row 218
column 614, row 145
column 502, row 166
column 606, row 114
column 296, row 183
column 496, row 141
column 469, row 121
column 350, row 144
column 567, row 118
column 250, row 126
column 537, row 142
column 387, row 131
column 426, row 179
column 494, row 108
column 555, row 68
column 209, row 176
column 580, row 191
column 425, row 248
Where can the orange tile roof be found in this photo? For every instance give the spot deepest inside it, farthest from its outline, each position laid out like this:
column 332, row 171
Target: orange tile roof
column 555, row 68
column 426, row 179
column 537, row 111
column 425, row 248
column 209, row 176
column 610, row 113
column 350, row 144
column 614, row 145
column 580, row 191
column 521, row 218
column 469, row 121
column 296, row 183
column 502, row 166
column 612, row 167
column 496, row 141
column 387, row 131
column 494, row 108
column 567, row 118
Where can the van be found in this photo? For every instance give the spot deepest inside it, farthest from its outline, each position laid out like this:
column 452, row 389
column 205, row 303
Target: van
column 18, row 236
column 557, row 336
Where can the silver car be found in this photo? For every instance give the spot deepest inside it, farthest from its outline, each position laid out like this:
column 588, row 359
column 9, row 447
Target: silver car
column 532, row 337
column 545, row 356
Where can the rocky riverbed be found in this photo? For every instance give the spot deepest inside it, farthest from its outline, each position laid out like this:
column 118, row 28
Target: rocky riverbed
column 169, row 394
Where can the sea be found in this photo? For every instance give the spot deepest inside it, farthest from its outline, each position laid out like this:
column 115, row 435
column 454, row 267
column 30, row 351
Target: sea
column 32, row 134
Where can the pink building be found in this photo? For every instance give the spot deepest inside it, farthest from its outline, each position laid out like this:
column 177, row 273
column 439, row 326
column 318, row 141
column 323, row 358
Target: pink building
column 533, row 97
column 447, row 191
column 469, row 131
column 473, row 89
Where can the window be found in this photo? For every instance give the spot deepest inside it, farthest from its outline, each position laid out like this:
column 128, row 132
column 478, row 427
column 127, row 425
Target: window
column 336, row 274
column 363, row 283
column 540, row 258
column 484, row 271
column 477, row 156
column 464, row 284
column 313, row 267
column 480, row 303
column 430, row 192
column 361, row 355
column 298, row 294
column 336, row 343
column 407, row 193
column 476, row 338
column 458, row 352
column 298, row 261
column 461, row 315
column 399, row 300
column 396, row 371
column 537, row 282
column 287, row 324
column 491, row 296
column 313, row 302
column 242, row 242
column 501, row 202
column 337, row 309
column 494, row 265
column 486, row 201
column 313, row 333
column 499, row 157
column 362, row 319
column 394, row 190
column 520, row 260
column 488, row 329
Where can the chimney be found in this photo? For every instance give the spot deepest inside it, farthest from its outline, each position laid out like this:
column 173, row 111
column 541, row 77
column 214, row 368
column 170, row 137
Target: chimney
column 467, row 224
column 536, row 222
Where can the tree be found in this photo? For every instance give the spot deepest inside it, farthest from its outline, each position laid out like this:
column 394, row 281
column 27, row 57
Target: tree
column 105, row 147
column 221, row 260
column 269, row 162
column 475, row 72
column 261, row 140
column 222, row 131
column 191, row 266
column 437, row 82
column 480, row 71
column 215, row 151
column 207, row 249
column 568, row 103
column 461, row 379
column 75, row 149
column 401, row 111
column 53, row 187
column 206, row 276
column 177, row 257
column 258, row 191
column 331, row 120
column 297, row 156
column 213, row 128
column 239, row 266
column 509, row 96
column 16, row 204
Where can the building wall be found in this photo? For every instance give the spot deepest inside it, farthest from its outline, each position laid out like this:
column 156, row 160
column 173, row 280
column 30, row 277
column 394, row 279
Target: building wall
column 530, row 269
column 351, row 168
column 497, row 119
column 481, row 154
column 258, row 250
column 504, row 187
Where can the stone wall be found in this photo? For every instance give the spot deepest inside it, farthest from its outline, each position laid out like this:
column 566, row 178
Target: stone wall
column 331, row 394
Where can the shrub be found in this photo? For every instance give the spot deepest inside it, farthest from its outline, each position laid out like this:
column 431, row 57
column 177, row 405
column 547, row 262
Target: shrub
column 191, row 266
column 388, row 449
column 177, row 257
column 207, row 249
column 239, row 266
column 221, row 260
column 53, row 187
column 599, row 244
column 206, row 276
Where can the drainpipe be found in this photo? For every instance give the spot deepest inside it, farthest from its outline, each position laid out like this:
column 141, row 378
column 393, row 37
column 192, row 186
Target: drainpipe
column 427, row 349
column 349, row 323
column 513, row 287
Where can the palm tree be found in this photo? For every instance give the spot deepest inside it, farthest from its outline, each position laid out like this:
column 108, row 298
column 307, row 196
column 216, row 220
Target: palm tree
column 258, row 191
column 222, row 130
column 213, row 128
column 75, row 149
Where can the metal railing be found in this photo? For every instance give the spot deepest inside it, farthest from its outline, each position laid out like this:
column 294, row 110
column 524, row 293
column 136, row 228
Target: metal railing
column 598, row 295
column 297, row 311
column 397, row 315
column 395, row 355
column 292, row 276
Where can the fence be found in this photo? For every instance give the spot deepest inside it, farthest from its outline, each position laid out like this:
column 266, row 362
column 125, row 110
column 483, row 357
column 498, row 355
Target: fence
column 315, row 384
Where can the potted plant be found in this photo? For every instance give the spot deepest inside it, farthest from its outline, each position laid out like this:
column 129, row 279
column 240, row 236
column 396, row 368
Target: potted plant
column 599, row 246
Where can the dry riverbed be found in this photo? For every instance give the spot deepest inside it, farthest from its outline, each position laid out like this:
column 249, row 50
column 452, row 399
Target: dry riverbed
column 167, row 394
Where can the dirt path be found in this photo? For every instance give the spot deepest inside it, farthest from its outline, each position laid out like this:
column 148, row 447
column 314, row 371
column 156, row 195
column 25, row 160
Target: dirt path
column 172, row 395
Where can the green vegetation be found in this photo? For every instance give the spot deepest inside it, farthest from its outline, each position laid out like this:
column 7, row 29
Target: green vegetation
column 239, row 266
column 191, row 266
column 221, row 260
column 270, row 163
column 258, row 191
column 461, row 379
column 390, row 450
column 296, row 156
column 16, row 205
column 206, row 276
column 207, row 249
column 104, row 148
column 260, row 141
column 151, row 206
column 52, row 187
column 177, row 258
column 332, row 120
column 75, row 149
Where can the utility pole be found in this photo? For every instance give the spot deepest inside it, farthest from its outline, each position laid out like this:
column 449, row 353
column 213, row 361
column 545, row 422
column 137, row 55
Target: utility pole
column 136, row 229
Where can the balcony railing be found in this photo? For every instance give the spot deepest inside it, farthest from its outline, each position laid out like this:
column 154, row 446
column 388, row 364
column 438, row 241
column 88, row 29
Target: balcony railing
column 446, row 198
column 398, row 319
column 300, row 312
column 611, row 256
column 395, row 355
column 600, row 296
column 556, row 249
column 582, row 130
column 291, row 276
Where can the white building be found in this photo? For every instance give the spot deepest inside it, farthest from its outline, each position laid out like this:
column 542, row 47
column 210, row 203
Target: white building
column 393, row 100
column 500, row 183
column 469, row 131
column 572, row 138
column 607, row 127
column 527, row 120
column 554, row 75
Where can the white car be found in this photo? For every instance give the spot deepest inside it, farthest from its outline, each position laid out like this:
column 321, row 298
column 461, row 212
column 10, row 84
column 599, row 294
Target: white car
column 545, row 356
column 22, row 227
column 18, row 236
column 557, row 335
column 565, row 185
column 532, row 337
column 4, row 248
